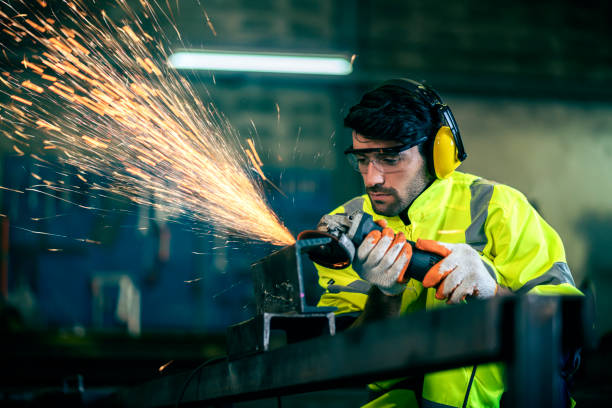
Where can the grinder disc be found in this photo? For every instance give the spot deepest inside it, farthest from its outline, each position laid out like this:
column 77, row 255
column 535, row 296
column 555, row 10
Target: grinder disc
column 332, row 255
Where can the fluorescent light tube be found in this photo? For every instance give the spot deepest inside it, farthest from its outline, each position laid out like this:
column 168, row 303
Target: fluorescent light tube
column 260, row 62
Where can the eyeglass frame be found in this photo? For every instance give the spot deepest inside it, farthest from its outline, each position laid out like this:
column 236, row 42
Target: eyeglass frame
column 382, row 150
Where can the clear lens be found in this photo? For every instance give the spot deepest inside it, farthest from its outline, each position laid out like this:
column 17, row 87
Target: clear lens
column 352, row 159
column 386, row 163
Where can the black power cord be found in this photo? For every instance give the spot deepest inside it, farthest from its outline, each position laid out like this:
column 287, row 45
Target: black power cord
column 193, row 373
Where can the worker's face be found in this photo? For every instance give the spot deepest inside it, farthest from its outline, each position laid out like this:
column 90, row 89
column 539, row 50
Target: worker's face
column 392, row 192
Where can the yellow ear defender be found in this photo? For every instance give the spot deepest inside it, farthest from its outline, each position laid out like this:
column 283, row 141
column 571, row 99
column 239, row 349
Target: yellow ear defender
column 444, row 153
column 447, row 150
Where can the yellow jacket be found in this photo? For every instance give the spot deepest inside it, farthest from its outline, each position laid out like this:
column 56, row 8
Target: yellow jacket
column 521, row 251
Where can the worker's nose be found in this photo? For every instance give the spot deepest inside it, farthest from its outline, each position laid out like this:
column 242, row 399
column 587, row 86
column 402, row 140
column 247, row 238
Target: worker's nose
column 373, row 176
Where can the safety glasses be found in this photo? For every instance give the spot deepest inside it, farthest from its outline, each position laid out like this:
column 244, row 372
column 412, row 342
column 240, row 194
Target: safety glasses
column 384, row 159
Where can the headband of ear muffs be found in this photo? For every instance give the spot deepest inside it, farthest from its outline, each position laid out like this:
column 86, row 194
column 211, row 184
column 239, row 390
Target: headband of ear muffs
column 447, row 151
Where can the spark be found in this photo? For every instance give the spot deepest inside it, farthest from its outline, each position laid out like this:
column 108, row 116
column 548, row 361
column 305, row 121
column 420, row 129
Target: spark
column 108, row 107
column 210, row 24
column 252, row 146
column 60, row 198
column 19, row 151
column 19, row 99
column 63, row 87
column 41, row 232
column 36, row 26
column 47, row 218
column 34, row 87
column 10, row 189
column 88, row 241
column 163, row 367
column 216, row 295
column 277, row 114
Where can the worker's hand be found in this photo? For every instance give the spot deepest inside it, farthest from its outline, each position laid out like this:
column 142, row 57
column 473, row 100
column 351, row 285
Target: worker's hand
column 461, row 273
column 382, row 258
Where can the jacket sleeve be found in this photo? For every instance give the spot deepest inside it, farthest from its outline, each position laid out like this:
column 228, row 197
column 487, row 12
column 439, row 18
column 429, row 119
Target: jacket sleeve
column 344, row 289
column 526, row 253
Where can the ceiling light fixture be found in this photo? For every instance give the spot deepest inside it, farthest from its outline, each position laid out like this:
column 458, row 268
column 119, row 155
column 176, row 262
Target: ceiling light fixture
column 309, row 64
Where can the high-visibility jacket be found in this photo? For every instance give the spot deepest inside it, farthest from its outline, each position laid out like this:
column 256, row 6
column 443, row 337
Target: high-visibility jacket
column 520, row 250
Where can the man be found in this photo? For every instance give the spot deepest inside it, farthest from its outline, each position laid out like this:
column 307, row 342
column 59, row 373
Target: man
column 406, row 145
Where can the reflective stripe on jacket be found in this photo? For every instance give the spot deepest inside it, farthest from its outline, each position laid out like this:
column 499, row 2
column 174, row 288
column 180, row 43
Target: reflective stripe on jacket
column 521, row 251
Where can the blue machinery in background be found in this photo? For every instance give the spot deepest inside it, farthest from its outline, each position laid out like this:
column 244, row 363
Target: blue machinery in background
column 528, row 333
column 201, row 287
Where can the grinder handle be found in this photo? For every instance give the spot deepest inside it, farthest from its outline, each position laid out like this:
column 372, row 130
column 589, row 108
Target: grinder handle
column 421, row 261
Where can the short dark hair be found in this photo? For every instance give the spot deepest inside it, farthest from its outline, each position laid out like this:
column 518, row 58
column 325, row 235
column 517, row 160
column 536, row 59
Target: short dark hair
column 391, row 112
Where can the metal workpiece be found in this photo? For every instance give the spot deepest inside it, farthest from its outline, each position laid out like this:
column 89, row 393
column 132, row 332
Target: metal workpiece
column 255, row 335
column 278, row 280
column 280, row 300
column 525, row 332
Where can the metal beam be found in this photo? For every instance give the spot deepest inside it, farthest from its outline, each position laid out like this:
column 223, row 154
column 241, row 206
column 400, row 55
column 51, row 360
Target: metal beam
column 456, row 336
column 523, row 331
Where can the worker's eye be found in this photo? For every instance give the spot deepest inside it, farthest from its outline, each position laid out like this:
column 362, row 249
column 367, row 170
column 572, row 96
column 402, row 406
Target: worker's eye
column 389, row 160
column 361, row 159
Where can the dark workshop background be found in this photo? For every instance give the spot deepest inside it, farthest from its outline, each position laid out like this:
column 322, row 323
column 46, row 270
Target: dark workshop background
column 530, row 84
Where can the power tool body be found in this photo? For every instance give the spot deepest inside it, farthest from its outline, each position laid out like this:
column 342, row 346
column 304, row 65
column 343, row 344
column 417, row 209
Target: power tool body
column 347, row 231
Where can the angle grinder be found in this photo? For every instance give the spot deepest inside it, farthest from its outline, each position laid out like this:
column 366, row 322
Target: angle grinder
column 347, row 231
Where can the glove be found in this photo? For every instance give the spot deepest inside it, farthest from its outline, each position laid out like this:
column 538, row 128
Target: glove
column 461, row 273
column 382, row 259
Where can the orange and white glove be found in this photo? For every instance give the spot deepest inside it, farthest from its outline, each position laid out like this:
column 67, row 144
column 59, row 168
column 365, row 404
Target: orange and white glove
column 382, row 259
column 460, row 274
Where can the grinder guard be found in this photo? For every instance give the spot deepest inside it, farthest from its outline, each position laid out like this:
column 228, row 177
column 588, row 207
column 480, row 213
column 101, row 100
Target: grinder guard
column 337, row 254
column 346, row 231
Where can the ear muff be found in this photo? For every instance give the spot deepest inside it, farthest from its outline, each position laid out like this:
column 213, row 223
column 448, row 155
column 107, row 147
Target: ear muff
column 444, row 153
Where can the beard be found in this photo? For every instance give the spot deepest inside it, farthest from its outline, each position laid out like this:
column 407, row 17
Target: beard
column 388, row 208
column 398, row 201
